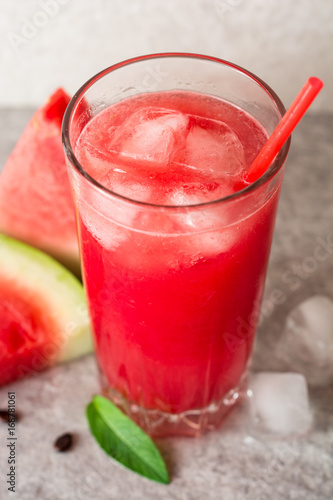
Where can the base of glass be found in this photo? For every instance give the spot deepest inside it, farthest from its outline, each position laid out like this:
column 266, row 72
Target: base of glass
column 191, row 423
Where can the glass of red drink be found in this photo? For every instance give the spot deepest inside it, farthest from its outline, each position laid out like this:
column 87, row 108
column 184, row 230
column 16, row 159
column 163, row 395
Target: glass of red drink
column 174, row 242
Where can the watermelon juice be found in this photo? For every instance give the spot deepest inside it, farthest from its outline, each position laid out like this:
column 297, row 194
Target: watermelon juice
column 174, row 260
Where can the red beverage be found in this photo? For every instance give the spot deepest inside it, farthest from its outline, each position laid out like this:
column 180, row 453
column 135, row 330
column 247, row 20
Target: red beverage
column 174, row 262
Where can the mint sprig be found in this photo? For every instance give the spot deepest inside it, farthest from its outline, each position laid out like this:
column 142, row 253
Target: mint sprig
column 123, row 440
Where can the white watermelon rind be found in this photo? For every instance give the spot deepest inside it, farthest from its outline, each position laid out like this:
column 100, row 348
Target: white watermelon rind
column 62, row 292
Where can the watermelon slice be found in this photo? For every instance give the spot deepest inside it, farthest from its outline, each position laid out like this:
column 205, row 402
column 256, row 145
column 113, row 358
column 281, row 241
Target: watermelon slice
column 43, row 313
column 36, row 204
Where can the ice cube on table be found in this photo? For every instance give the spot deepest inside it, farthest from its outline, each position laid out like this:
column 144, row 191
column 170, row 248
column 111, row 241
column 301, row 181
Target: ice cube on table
column 151, row 133
column 279, row 403
column 306, row 344
column 212, row 146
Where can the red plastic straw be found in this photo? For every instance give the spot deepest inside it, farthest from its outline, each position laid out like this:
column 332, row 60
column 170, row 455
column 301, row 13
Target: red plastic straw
column 285, row 127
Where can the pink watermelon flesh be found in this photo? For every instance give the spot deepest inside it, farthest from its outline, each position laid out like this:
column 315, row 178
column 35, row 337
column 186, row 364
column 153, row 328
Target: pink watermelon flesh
column 29, row 337
column 36, row 204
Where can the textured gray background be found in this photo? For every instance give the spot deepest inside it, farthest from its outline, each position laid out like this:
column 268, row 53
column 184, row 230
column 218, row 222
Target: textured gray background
column 234, row 463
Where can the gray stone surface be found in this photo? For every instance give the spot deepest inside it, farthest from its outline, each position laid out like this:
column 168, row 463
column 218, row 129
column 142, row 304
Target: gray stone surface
column 233, row 463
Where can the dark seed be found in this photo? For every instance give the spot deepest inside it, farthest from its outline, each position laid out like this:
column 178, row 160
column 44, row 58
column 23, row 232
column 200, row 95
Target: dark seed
column 64, row 442
column 4, row 415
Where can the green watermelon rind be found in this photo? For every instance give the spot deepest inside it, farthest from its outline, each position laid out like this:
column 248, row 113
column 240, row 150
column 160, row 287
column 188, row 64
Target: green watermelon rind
column 61, row 290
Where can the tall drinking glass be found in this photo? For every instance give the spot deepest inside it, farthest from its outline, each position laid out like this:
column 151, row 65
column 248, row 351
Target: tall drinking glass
column 174, row 289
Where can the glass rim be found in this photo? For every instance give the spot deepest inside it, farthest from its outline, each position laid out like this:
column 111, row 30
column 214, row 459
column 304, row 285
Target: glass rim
column 270, row 172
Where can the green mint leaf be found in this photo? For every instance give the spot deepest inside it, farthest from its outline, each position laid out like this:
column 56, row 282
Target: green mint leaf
column 123, row 440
